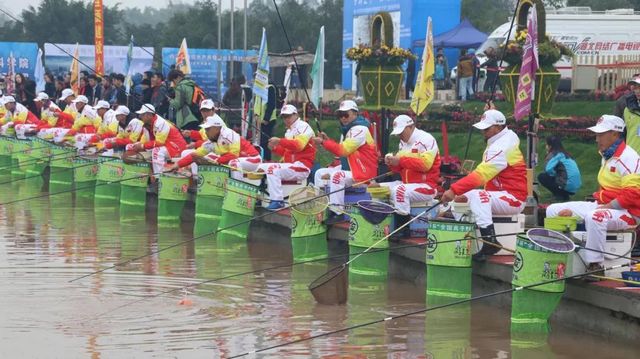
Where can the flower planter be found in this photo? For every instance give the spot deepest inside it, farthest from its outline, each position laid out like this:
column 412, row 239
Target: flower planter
column 381, row 85
column 546, row 87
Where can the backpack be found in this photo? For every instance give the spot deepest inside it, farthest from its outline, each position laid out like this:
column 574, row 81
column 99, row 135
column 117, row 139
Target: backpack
column 197, row 97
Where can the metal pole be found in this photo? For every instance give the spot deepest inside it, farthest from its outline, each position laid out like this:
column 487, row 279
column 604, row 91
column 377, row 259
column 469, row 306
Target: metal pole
column 232, row 46
column 244, row 47
column 218, row 62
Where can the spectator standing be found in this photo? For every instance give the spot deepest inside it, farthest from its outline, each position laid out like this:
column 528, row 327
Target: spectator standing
column 440, row 53
column 108, row 90
column 493, row 70
column 410, row 84
column 120, row 94
column 465, row 76
column 49, row 85
column 621, row 103
column 26, row 92
column 631, row 116
column 476, row 69
column 184, row 88
column 93, row 90
column 159, row 98
column 440, row 75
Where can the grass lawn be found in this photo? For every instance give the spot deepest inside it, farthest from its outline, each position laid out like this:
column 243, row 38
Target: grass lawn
column 585, row 153
column 560, row 109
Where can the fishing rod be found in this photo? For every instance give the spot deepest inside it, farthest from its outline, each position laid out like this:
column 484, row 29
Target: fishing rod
column 295, row 62
column 451, row 304
column 22, row 151
column 495, row 80
column 288, row 265
column 220, row 103
column 53, row 172
column 223, row 229
column 80, row 188
column 36, row 160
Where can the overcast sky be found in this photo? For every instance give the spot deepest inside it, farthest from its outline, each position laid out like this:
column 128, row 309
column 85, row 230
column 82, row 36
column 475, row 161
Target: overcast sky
column 16, row 6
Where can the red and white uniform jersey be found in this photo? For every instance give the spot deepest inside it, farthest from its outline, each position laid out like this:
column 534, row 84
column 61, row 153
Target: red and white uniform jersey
column 502, row 168
column 227, row 147
column 22, row 115
column 360, row 150
column 419, row 159
column 48, row 114
column 619, row 180
column 164, row 134
column 296, row 146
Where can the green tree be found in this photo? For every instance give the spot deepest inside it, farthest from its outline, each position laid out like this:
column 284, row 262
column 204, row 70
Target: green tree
column 487, row 15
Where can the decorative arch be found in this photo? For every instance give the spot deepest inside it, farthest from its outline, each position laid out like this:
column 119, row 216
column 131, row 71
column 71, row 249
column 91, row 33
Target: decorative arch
column 382, row 29
column 523, row 12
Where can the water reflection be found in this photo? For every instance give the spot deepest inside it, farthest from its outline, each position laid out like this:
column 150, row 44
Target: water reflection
column 46, row 242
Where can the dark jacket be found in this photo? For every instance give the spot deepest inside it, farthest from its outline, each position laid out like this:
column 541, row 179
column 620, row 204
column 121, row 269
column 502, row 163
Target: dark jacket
column 93, row 94
column 621, row 104
column 159, row 100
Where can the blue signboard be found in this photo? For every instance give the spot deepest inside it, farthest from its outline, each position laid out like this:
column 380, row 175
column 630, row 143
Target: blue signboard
column 23, row 55
column 409, row 19
column 204, row 62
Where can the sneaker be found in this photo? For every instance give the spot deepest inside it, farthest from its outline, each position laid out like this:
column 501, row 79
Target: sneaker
column 594, row 269
column 275, row 205
column 336, row 219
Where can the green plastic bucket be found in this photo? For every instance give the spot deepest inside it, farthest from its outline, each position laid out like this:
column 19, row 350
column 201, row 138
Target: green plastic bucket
column 308, row 236
column 173, row 191
column 541, row 256
column 238, row 208
column 61, row 157
column 449, row 282
column 210, row 197
column 110, row 170
column 85, row 175
column 447, row 330
column 6, row 148
column 365, row 234
column 208, row 210
column 39, row 155
column 449, row 243
column 133, row 188
column 531, row 310
column 561, row 224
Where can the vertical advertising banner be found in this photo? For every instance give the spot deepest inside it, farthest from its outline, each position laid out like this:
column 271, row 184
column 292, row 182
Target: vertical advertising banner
column 98, row 26
column 204, row 62
column 22, row 55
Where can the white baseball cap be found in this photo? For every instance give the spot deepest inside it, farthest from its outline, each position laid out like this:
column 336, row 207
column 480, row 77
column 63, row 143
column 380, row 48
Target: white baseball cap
column 634, row 80
column 608, row 123
column 8, row 99
column 146, row 108
column 400, row 123
column 81, row 98
column 207, row 104
column 288, row 110
column 41, row 97
column 213, row 121
column 490, row 118
column 121, row 110
column 66, row 93
column 102, row 104
column 348, row 105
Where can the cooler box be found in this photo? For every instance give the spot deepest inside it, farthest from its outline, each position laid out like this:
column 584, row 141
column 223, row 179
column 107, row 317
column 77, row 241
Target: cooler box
column 418, row 228
column 617, row 243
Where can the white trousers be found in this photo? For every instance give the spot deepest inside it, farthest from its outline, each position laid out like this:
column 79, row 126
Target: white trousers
column 159, row 158
column 402, row 194
column 597, row 222
column 60, row 135
column 246, row 164
column 278, row 172
column 339, row 180
column 82, row 139
column 23, row 128
column 51, row 133
column 5, row 128
column 321, row 172
column 485, row 204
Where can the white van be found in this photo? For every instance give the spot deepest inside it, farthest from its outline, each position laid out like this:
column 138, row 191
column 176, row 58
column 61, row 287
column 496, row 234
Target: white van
column 586, row 32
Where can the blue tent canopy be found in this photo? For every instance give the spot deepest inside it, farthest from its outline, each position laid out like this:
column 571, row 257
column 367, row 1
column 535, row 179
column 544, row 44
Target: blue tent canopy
column 462, row 36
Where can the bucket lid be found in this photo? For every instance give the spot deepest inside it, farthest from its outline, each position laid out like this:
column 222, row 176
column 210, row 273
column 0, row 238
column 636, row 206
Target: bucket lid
column 551, row 240
column 374, row 211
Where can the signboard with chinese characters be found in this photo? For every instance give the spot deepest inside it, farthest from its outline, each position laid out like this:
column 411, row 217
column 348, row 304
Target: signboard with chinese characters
column 204, row 62
column 22, row 54
column 58, row 61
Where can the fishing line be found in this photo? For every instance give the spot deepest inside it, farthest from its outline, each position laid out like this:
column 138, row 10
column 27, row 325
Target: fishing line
column 217, row 231
column 462, row 301
column 62, row 169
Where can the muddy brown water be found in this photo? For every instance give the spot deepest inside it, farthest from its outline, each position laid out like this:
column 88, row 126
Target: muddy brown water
column 47, row 242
